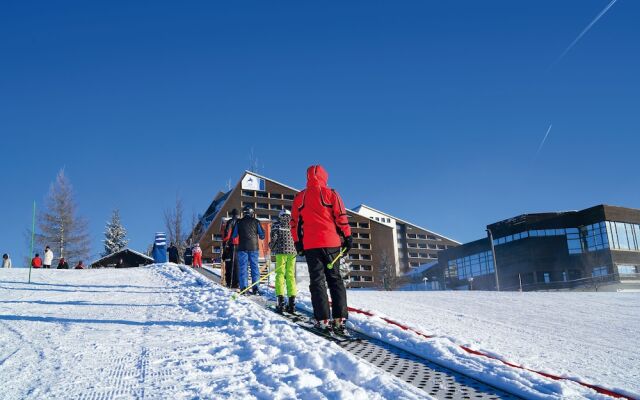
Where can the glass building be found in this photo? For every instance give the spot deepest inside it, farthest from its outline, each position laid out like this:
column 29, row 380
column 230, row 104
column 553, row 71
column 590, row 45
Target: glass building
column 598, row 247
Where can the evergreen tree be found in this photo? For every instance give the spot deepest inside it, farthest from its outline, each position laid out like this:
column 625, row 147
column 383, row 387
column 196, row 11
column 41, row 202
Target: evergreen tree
column 115, row 236
column 59, row 225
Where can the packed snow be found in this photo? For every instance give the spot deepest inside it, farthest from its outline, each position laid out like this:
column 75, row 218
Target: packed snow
column 591, row 337
column 164, row 332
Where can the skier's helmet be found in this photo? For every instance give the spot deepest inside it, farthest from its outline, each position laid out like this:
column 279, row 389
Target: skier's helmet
column 284, row 212
column 248, row 210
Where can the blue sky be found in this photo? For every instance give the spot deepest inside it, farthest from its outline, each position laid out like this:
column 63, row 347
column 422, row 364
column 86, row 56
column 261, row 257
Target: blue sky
column 431, row 111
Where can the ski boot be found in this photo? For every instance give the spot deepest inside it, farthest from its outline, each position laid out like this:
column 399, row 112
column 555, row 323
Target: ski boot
column 291, row 306
column 280, row 304
column 340, row 329
column 323, row 328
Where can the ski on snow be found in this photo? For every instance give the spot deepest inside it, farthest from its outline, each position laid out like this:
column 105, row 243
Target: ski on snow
column 306, row 323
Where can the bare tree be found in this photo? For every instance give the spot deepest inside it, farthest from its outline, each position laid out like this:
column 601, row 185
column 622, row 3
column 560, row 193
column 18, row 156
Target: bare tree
column 174, row 221
column 388, row 271
column 59, row 225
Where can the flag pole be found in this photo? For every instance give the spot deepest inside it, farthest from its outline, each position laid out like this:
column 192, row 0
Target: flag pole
column 33, row 229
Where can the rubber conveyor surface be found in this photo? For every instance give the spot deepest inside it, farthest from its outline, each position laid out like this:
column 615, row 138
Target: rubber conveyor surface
column 435, row 380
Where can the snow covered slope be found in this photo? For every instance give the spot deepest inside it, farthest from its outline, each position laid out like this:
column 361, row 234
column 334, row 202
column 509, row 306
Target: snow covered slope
column 592, row 337
column 158, row 332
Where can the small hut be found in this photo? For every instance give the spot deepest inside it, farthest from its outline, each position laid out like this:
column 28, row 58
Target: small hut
column 125, row 258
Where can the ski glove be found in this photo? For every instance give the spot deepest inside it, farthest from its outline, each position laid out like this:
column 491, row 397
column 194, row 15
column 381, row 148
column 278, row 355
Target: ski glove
column 348, row 243
column 299, row 248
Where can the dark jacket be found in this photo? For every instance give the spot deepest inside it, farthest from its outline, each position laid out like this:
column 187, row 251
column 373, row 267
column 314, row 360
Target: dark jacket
column 63, row 265
column 188, row 256
column 248, row 231
column 173, row 254
column 318, row 215
column 281, row 241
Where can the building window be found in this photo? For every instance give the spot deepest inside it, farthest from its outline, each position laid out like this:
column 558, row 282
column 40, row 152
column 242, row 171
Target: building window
column 354, row 256
column 276, row 196
column 365, row 256
column 355, row 245
column 627, row 269
column 263, row 216
column 412, row 245
column 262, row 206
column 623, row 236
column 287, row 208
column 263, row 195
column 216, row 237
column 216, row 250
column 355, row 267
column 366, row 267
column 353, row 224
column 248, row 193
column 470, row 266
column 364, row 236
column 434, row 256
column 412, row 236
column 367, row 278
column 414, row 255
column 422, row 245
column 275, row 206
column 365, row 246
column 355, row 278
column 600, row 271
column 246, row 203
column 430, row 237
column 363, row 225
column 288, row 196
column 420, row 236
column 413, row 264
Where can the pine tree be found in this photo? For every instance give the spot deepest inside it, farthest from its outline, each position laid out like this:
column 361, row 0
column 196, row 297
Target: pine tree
column 59, row 225
column 115, row 235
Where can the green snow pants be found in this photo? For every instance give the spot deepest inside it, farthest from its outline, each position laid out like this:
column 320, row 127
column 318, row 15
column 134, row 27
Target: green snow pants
column 286, row 270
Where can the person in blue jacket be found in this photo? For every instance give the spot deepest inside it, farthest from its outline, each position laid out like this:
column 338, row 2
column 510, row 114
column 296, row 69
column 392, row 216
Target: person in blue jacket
column 248, row 231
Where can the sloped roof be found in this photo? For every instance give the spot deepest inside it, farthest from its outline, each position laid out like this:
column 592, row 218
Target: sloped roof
column 122, row 251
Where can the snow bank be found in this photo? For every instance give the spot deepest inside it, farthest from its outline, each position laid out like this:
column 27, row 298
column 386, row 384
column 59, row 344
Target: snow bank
column 590, row 337
column 161, row 332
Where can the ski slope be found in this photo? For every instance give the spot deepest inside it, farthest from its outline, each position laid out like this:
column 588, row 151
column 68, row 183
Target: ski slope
column 591, row 337
column 158, row 332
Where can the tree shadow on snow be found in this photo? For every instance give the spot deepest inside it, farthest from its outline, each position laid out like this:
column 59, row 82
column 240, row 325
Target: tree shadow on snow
column 57, row 320
column 88, row 286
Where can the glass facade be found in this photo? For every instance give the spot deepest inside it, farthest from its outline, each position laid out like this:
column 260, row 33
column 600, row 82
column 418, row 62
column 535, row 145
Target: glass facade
column 594, row 237
column 470, row 266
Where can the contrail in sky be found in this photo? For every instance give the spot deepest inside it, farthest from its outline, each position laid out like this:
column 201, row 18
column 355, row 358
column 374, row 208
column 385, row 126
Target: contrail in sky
column 544, row 140
column 584, row 31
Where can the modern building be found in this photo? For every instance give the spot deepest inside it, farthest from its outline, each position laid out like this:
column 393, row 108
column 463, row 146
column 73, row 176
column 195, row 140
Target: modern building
column 376, row 254
column 414, row 246
column 595, row 247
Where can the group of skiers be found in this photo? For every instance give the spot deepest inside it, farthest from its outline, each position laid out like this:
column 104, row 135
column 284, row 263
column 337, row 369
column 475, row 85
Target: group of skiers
column 47, row 261
column 192, row 255
column 316, row 228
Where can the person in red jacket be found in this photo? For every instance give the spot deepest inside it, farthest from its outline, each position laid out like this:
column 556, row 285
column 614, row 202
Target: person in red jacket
column 320, row 228
column 36, row 262
column 197, row 256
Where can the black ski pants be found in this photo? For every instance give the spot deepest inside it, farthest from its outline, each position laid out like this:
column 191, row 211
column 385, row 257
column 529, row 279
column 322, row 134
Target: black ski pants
column 231, row 271
column 321, row 277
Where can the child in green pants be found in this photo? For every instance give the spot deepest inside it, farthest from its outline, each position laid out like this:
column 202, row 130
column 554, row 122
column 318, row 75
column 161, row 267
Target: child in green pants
column 281, row 244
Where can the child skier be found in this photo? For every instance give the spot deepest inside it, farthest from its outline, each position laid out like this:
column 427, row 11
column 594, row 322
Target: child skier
column 282, row 246
column 197, row 256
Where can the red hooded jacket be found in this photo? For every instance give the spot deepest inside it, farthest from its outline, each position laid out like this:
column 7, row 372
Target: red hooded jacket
column 318, row 216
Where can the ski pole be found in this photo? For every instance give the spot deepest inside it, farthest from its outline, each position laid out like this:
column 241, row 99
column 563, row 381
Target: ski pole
column 330, row 265
column 235, row 295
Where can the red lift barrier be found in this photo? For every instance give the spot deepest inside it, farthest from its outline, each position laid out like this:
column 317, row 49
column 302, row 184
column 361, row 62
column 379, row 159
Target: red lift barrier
column 598, row 389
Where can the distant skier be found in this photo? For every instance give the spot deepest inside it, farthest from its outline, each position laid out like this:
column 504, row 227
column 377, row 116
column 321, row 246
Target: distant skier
column 36, row 262
column 80, row 265
column 229, row 254
column 6, row 261
column 318, row 222
column 63, row 264
column 48, row 258
column 282, row 246
column 173, row 253
column 197, row 256
column 188, row 255
column 248, row 231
